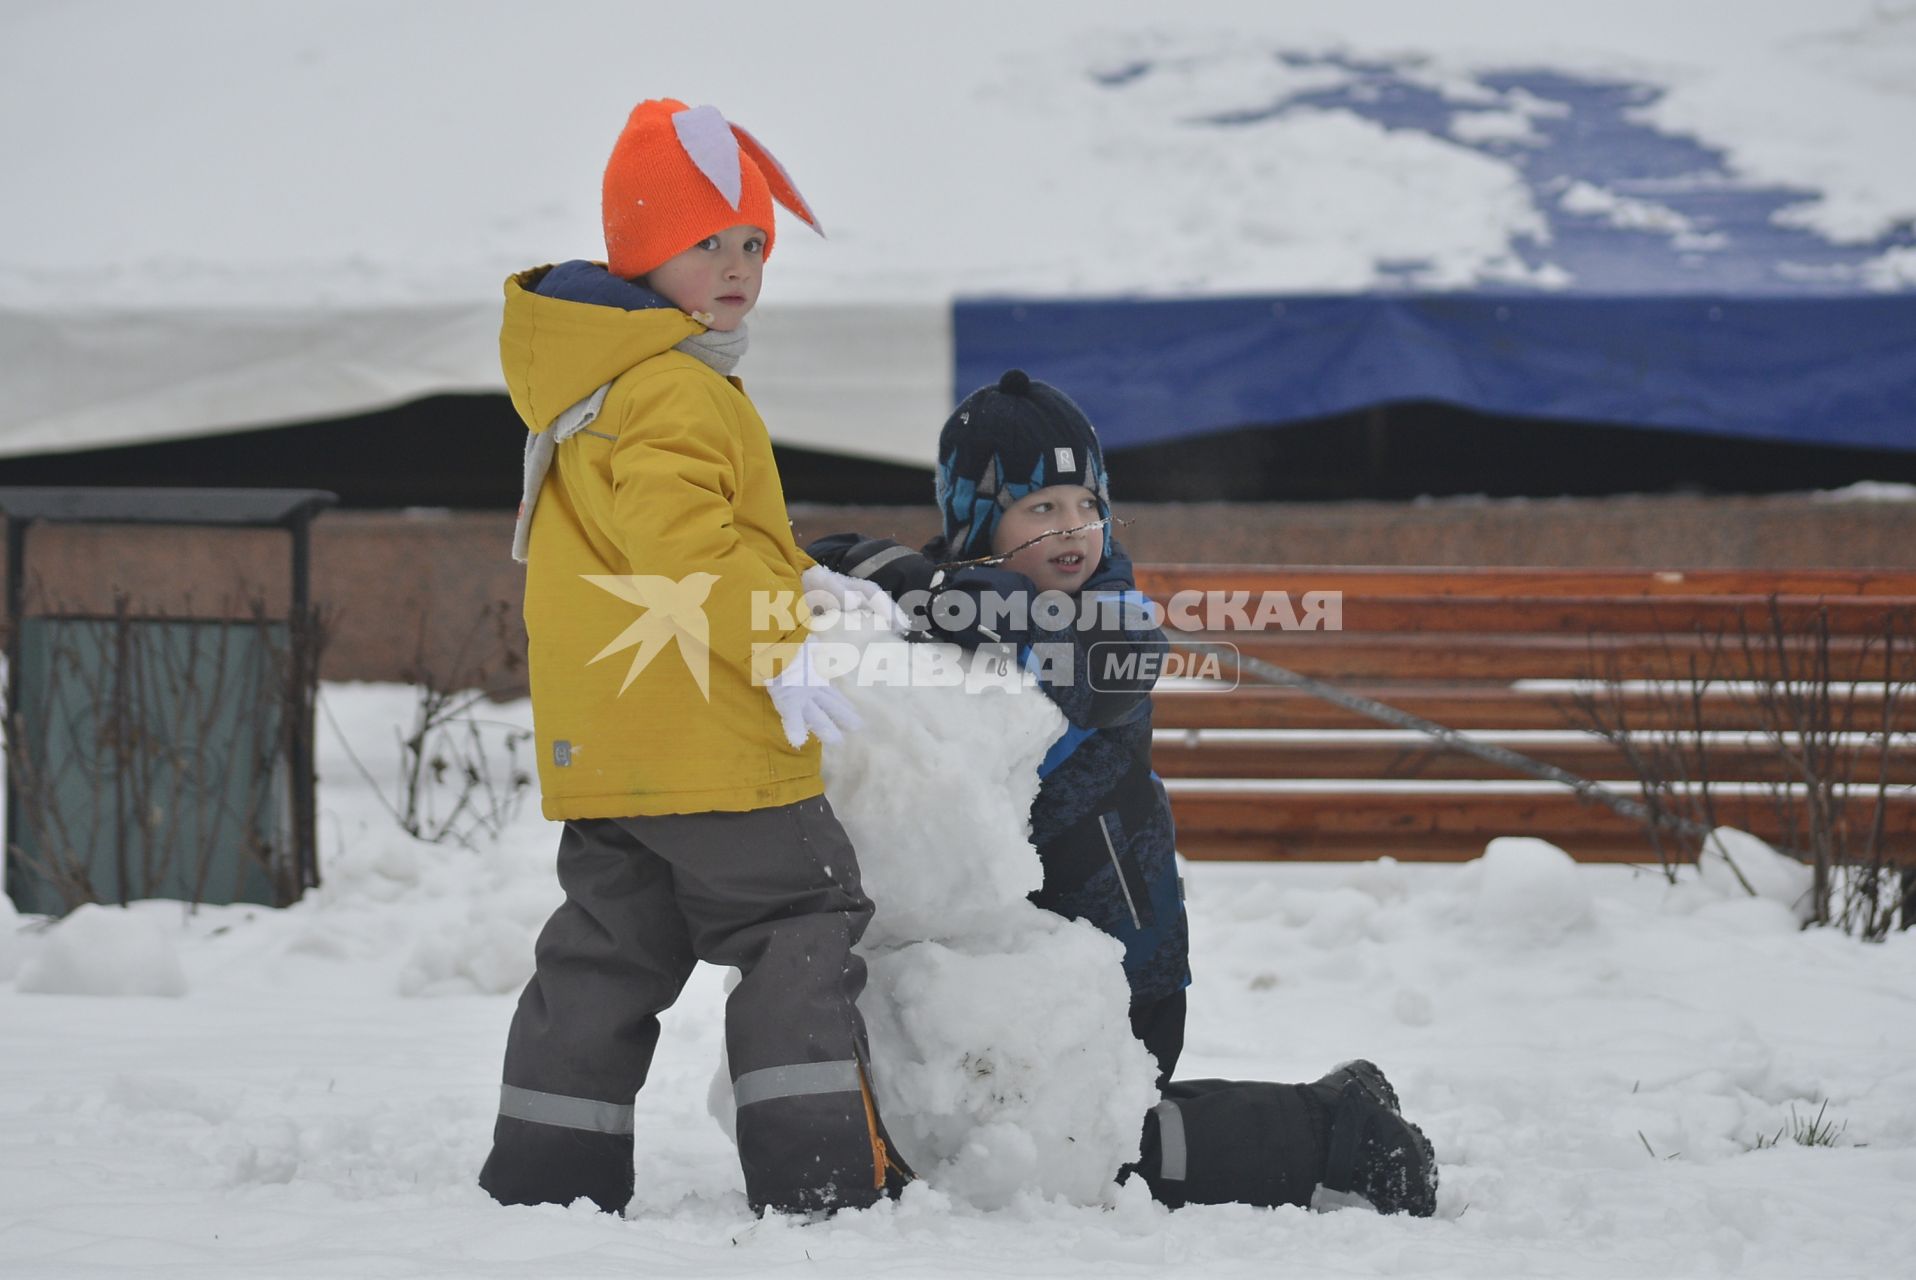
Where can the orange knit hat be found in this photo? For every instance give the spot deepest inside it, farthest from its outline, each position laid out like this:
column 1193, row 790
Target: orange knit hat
column 679, row 174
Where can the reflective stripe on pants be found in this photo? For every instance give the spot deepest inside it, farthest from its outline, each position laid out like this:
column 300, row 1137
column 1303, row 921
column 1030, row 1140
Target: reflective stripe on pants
column 800, row 1078
column 1172, row 1153
column 563, row 1112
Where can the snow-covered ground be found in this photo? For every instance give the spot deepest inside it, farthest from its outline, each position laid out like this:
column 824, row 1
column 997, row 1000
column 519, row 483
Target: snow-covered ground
column 1595, row 1053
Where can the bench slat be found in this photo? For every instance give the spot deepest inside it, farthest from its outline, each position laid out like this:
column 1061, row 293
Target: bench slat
column 1180, row 756
column 1261, row 707
column 1732, row 616
column 1295, row 819
column 1504, row 657
column 1254, row 706
column 1161, row 580
column 1206, row 846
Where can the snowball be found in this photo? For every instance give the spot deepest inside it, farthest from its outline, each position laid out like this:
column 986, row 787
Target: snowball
column 1530, row 889
column 1007, row 1063
column 936, row 789
column 106, row 951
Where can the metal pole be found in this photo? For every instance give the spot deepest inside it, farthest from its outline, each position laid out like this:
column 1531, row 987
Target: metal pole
column 302, row 560
column 299, row 763
column 16, row 600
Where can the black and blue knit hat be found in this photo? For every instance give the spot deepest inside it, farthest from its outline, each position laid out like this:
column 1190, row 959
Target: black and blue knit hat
column 1007, row 440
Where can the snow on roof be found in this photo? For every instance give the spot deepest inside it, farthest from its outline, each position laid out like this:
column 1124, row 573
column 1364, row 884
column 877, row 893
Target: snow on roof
column 352, row 152
column 321, row 160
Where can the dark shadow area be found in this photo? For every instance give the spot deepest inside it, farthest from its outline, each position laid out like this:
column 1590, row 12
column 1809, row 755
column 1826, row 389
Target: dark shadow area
column 458, row 451
column 463, row 452
column 1401, row 451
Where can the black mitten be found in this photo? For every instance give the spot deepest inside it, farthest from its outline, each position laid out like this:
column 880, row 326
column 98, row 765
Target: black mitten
column 992, row 613
column 895, row 567
column 897, row 570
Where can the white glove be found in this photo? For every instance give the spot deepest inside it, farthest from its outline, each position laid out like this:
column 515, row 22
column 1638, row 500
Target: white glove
column 855, row 594
column 807, row 704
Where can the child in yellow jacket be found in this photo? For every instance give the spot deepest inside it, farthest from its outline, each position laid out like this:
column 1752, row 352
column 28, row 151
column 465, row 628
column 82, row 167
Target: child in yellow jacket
column 695, row 821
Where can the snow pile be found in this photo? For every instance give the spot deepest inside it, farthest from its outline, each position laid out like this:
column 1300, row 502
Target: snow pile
column 107, row 951
column 1744, row 884
column 1529, row 890
column 1868, row 491
column 1001, row 1042
column 502, row 896
column 471, row 913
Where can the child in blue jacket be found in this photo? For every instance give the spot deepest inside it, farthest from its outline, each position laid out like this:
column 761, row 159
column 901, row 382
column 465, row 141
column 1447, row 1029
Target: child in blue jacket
column 1027, row 562
column 1017, row 461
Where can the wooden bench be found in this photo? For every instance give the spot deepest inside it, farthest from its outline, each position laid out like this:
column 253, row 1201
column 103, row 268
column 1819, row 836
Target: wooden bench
column 1260, row 772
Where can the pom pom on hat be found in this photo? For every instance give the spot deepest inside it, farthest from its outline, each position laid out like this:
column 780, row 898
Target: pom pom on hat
column 678, row 174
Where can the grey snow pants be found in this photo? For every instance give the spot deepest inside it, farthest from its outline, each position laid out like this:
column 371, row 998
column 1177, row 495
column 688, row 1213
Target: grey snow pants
column 774, row 892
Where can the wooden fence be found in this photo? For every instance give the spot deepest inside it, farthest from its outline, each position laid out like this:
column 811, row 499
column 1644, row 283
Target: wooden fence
column 1535, row 660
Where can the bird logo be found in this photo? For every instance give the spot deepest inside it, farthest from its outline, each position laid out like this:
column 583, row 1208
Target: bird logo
column 674, row 611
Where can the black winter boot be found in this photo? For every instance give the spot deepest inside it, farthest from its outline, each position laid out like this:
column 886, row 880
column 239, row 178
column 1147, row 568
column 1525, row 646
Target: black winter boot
column 1366, row 1073
column 1373, row 1150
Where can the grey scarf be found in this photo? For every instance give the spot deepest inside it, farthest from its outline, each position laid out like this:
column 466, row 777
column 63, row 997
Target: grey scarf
column 721, row 351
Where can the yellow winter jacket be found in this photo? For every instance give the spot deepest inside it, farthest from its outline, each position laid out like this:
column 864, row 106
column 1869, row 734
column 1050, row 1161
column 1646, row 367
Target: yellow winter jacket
column 671, row 501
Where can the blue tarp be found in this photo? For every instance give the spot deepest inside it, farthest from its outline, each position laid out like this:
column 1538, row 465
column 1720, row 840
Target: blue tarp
column 1829, row 370
column 1741, row 325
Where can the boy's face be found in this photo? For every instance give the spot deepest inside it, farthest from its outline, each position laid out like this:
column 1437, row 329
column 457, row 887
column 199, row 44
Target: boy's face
column 715, row 281
column 1062, row 563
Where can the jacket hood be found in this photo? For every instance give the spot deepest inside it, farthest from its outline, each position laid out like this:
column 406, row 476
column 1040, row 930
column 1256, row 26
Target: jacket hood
column 572, row 328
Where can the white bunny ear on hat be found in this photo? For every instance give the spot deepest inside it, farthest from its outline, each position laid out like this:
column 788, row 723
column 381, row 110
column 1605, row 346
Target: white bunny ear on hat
column 784, row 190
column 709, row 143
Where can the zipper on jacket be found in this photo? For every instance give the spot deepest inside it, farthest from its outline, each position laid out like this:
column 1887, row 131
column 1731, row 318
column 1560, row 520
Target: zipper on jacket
column 1130, row 903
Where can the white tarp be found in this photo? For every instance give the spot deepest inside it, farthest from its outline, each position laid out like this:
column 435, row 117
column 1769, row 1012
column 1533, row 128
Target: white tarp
column 94, row 379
